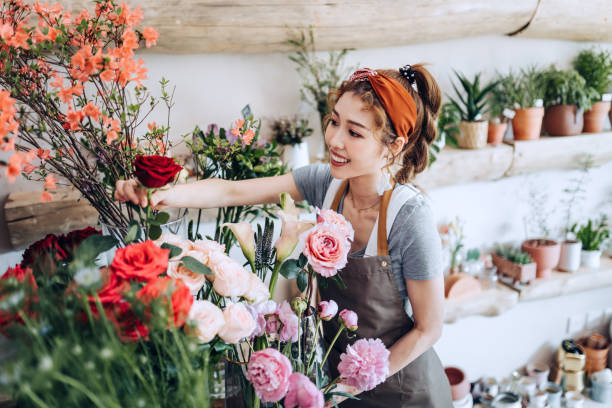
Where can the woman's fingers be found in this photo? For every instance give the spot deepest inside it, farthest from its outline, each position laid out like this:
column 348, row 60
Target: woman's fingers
column 127, row 190
column 157, row 200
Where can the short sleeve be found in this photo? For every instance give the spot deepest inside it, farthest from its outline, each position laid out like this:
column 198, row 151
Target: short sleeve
column 416, row 236
column 312, row 182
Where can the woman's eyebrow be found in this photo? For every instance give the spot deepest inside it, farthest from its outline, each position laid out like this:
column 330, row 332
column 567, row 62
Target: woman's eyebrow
column 351, row 121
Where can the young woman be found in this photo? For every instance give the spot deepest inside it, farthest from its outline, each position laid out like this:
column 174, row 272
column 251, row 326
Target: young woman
column 394, row 274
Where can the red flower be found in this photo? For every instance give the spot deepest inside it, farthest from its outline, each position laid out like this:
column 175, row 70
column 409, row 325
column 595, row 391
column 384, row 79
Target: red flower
column 155, row 171
column 70, row 241
column 164, row 288
column 45, row 252
column 8, row 317
column 143, row 261
column 129, row 327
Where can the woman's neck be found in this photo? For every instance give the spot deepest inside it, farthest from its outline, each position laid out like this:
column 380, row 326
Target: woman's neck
column 363, row 190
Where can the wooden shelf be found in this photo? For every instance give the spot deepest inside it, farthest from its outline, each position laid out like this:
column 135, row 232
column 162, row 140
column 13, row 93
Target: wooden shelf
column 495, row 301
column 454, row 166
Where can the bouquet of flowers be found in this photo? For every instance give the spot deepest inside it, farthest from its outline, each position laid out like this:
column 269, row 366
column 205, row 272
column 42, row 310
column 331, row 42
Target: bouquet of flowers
column 73, row 105
column 237, row 154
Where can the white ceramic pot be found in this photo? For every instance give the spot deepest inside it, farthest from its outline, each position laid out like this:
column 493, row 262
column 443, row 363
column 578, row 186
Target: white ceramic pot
column 569, row 261
column 297, row 156
column 591, row 259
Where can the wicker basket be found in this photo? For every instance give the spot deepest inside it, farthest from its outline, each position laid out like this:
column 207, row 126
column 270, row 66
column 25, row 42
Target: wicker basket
column 473, row 135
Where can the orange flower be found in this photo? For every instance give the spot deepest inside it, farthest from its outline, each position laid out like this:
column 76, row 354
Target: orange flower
column 43, row 154
column 58, row 81
column 8, row 146
column 248, row 137
column 29, row 168
column 235, row 131
column 13, row 168
column 74, row 118
column 46, row 197
column 130, row 40
column 111, row 136
column 107, row 75
column 92, row 111
column 6, row 31
column 50, row 182
column 240, row 123
column 152, row 126
column 150, row 36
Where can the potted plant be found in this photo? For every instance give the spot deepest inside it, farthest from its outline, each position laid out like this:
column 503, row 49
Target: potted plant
column 472, row 128
column 545, row 253
column 514, row 263
column 566, row 96
column 593, row 234
column 499, row 102
column 290, row 133
column 525, row 93
column 596, row 69
column 447, row 124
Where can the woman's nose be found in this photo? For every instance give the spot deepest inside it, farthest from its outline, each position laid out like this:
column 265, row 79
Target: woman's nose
column 333, row 137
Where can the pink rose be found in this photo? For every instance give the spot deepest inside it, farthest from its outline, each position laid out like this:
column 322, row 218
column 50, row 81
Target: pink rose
column 269, row 371
column 365, row 364
column 193, row 280
column 206, row 320
column 207, row 247
column 326, row 249
column 327, row 216
column 173, row 239
column 257, row 291
column 259, row 311
column 238, row 323
column 289, row 320
column 349, row 319
column 230, row 278
column 327, row 310
column 303, row 393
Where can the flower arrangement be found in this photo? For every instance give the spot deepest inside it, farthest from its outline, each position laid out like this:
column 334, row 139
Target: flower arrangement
column 290, row 131
column 452, row 239
column 237, row 154
column 73, row 104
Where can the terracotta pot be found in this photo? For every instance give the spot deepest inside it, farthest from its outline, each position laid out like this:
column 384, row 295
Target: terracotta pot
column 527, row 123
column 460, row 386
column 472, row 135
column 563, row 120
column 519, row 273
column 595, row 119
column 569, row 260
column 496, row 133
column 596, row 348
column 459, row 285
column 545, row 253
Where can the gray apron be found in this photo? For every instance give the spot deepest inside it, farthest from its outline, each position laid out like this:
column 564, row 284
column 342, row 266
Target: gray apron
column 372, row 293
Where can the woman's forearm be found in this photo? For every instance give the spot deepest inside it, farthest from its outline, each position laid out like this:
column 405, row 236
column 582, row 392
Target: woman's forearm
column 409, row 347
column 209, row 193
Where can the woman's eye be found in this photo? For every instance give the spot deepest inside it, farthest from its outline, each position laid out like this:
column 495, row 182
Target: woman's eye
column 354, row 134
column 333, row 122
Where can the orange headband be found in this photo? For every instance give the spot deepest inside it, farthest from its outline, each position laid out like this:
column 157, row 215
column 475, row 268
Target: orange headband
column 395, row 99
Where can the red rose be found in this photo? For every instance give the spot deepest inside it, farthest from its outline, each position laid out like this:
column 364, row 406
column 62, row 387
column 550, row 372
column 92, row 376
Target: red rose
column 143, row 261
column 43, row 254
column 155, row 171
column 129, row 328
column 161, row 289
column 8, row 317
column 112, row 290
column 70, row 241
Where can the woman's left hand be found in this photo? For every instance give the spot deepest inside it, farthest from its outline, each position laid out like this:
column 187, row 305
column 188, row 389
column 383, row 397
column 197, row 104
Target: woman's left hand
column 341, row 387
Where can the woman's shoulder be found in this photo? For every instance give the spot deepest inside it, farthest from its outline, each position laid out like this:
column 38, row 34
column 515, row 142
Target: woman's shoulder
column 415, row 212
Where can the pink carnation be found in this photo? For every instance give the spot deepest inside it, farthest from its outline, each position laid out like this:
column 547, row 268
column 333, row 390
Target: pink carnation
column 303, row 393
column 269, row 371
column 365, row 364
column 289, row 319
column 331, row 217
column 327, row 310
column 326, row 249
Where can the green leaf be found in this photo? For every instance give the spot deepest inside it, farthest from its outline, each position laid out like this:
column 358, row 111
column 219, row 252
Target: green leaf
column 162, row 217
column 133, row 232
column 302, row 261
column 339, row 281
column 154, row 232
column 195, row 266
column 302, row 281
column 290, row 269
column 174, row 250
column 93, row 246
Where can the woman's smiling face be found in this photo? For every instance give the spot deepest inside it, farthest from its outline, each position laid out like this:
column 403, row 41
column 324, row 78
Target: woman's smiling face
column 355, row 149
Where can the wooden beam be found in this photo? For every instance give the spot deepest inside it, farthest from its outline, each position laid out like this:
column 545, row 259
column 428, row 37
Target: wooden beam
column 242, row 26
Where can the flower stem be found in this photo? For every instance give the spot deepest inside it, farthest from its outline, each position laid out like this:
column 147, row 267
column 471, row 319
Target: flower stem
column 314, row 346
column 274, row 278
column 331, row 384
column 342, row 327
column 148, row 220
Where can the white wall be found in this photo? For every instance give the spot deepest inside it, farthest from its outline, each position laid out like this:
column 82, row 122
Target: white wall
column 214, row 88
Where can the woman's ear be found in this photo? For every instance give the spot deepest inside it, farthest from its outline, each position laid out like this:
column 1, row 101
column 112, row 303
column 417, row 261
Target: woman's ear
column 396, row 147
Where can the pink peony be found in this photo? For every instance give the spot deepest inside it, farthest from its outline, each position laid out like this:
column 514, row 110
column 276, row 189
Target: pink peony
column 269, row 371
column 273, row 324
column 303, row 393
column 231, row 279
column 239, row 323
column 193, row 280
column 206, row 320
column 289, row 320
column 259, row 311
column 327, row 216
column 327, row 310
column 326, row 249
column 257, row 291
column 349, row 318
column 365, row 364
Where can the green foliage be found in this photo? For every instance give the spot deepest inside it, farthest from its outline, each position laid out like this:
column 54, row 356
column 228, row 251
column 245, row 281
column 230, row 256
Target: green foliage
column 575, row 193
column 448, row 130
column 566, row 87
column 473, row 104
column 522, row 90
column 593, row 234
column 514, row 255
column 290, row 131
column 319, row 75
column 500, row 97
column 596, row 69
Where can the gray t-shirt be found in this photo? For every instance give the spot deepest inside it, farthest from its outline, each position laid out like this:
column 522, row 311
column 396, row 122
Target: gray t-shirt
column 414, row 242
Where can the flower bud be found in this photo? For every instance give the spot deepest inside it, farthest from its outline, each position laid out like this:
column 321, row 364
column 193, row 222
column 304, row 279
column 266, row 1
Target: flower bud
column 298, row 305
column 349, row 319
column 327, row 310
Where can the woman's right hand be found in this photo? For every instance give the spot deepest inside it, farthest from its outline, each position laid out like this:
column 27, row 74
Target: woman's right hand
column 131, row 190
